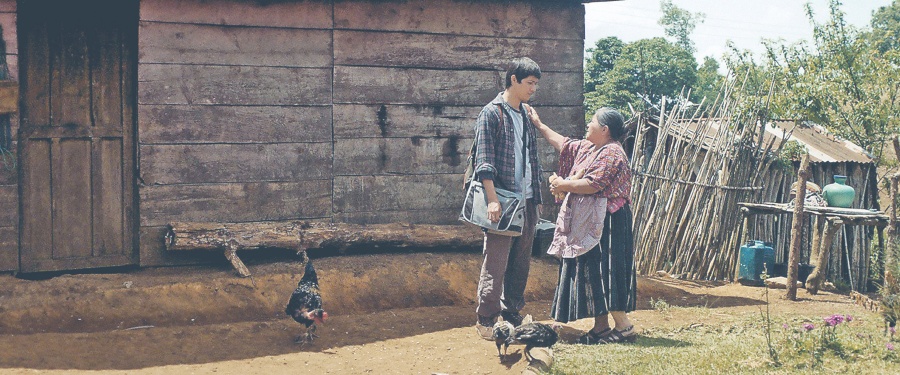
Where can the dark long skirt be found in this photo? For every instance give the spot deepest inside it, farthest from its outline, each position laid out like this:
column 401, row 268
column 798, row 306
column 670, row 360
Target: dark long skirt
column 601, row 280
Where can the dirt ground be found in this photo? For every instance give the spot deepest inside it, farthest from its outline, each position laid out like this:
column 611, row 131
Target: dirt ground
column 389, row 313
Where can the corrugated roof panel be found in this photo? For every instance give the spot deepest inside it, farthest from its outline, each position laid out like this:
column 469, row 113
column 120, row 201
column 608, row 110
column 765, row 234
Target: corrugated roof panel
column 822, row 146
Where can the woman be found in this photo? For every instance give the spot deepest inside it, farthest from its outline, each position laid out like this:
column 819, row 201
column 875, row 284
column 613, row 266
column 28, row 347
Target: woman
column 599, row 281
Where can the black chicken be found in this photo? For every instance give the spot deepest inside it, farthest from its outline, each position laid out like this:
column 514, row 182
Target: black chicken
column 890, row 310
column 305, row 305
column 503, row 331
column 535, row 335
column 890, row 302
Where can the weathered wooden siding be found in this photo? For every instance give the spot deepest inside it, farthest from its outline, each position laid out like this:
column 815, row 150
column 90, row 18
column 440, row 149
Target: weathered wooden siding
column 351, row 111
column 410, row 78
column 234, row 113
column 9, row 196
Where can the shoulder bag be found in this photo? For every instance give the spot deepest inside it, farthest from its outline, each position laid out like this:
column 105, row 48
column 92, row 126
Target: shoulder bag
column 474, row 210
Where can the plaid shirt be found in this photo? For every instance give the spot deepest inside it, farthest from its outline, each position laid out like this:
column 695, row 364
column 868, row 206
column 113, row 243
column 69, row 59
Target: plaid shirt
column 495, row 156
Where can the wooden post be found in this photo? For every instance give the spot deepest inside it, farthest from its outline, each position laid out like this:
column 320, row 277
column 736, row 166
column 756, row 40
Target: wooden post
column 745, row 236
column 823, row 250
column 797, row 228
column 231, row 248
column 817, row 227
column 893, row 232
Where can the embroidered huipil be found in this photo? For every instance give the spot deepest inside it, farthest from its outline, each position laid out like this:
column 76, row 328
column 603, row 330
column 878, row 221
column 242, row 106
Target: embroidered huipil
column 579, row 225
column 607, row 170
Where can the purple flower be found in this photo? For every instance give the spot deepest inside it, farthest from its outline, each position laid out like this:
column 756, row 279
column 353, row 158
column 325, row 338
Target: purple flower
column 808, row 326
column 890, row 346
column 785, row 326
column 848, row 318
column 834, row 320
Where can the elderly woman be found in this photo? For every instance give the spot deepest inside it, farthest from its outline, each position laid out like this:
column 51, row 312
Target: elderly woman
column 597, row 276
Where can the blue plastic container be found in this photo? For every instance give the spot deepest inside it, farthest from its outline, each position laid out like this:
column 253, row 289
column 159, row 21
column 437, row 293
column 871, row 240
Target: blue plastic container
column 755, row 257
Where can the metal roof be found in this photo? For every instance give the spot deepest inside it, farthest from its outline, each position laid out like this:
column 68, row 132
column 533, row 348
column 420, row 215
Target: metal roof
column 822, row 145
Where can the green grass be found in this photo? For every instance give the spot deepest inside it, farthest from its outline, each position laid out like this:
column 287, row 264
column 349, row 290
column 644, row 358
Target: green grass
column 736, row 344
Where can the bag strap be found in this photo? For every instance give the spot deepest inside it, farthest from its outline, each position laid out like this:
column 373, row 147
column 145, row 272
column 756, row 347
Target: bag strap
column 471, row 157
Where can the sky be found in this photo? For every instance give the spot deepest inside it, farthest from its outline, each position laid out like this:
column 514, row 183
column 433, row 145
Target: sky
column 744, row 22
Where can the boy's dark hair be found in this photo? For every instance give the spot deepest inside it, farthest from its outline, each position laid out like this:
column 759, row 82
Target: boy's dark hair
column 613, row 120
column 522, row 68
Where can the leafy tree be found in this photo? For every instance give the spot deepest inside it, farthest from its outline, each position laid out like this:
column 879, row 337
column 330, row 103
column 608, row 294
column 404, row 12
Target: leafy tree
column 679, row 24
column 886, row 28
column 602, row 58
column 841, row 82
column 708, row 83
column 650, row 67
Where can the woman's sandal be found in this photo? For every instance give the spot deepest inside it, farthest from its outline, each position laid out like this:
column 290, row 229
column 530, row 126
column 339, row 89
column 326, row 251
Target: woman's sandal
column 616, row 336
column 592, row 338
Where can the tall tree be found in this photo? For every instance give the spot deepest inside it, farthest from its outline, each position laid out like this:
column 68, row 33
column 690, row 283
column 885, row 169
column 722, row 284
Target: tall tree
column 840, row 82
column 601, row 59
column 886, row 28
column 678, row 23
column 648, row 67
column 708, row 83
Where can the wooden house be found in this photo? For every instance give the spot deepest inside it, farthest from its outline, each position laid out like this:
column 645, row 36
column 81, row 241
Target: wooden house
column 136, row 113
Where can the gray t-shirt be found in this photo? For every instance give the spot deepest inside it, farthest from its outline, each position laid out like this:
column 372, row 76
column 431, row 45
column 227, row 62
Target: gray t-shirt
column 523, row 162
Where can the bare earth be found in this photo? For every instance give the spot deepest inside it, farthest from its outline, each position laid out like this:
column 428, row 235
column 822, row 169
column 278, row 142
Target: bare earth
column 390, row 314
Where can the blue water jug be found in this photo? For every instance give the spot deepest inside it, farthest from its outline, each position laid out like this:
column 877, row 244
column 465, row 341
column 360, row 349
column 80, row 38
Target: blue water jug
column 754, row 258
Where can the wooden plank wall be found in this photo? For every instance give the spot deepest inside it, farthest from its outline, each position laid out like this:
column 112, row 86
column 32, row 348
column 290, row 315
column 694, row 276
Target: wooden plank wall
column 9, row 196
column 410, row 78
column 347, row 111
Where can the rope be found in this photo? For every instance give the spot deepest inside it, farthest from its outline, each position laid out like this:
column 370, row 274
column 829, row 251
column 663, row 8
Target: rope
column 740, row 188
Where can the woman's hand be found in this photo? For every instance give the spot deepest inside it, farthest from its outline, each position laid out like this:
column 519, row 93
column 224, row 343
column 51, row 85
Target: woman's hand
column 532, row 114
column 556, row 140
column 554, row 183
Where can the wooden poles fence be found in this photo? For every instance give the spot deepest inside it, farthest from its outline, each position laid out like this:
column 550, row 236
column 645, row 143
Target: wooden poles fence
column 690, row 173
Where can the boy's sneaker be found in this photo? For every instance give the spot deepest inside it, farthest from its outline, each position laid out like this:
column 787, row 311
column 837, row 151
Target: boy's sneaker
column 485, row 327
column 513, row 317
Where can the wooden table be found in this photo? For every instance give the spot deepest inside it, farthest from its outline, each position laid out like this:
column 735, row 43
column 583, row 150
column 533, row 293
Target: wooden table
column 823, row 230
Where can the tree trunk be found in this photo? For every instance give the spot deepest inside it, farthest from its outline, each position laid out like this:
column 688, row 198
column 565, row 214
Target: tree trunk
column 823, row 251
column 797, row 228
column 301, row 235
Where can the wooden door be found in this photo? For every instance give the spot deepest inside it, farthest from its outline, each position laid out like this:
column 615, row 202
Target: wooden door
column 77, row 133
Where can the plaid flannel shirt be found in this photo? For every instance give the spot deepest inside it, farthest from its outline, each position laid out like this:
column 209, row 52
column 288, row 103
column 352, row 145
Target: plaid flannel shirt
column 495, row 154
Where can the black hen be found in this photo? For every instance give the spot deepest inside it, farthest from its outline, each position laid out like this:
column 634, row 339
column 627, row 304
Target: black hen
column 305, row 305
column 535, row 335
column 890, row 310
column 503, row 331
column 890, row 302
